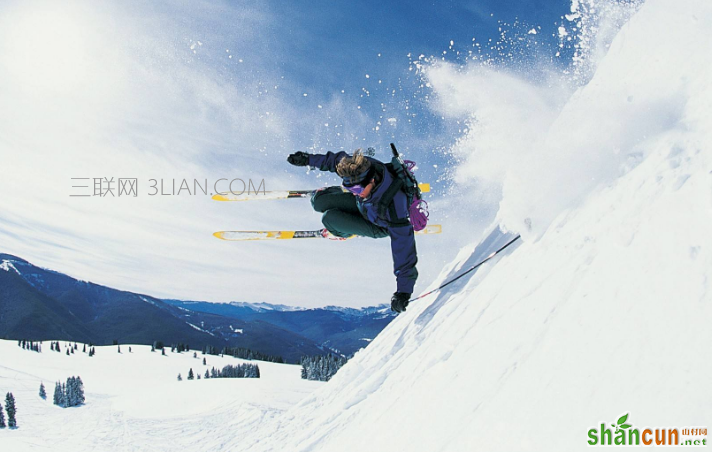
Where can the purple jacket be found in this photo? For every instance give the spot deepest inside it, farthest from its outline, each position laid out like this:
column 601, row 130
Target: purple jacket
column 405, row 256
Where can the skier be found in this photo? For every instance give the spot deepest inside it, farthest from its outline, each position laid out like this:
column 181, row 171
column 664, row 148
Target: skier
column 372, row 206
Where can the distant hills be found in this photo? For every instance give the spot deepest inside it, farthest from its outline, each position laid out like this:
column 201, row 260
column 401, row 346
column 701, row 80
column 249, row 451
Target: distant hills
column 42, row 304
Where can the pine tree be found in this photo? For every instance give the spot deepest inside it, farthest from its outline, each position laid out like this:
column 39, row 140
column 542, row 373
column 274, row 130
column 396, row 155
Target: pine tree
column 119, row 349
column 71, row 392
column 11, row 410
column 163, row 352
column 57, row 399
column 75, row 391
column 2, row 418
column 190, row 374
column 65, row 396
column 180, row 378
column 205, row 363
column 84, row 350
column 43, row 394
column 207, row 374
column 80, row 391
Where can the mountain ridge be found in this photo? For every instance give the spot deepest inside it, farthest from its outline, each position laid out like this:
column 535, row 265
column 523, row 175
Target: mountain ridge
column 60, row 307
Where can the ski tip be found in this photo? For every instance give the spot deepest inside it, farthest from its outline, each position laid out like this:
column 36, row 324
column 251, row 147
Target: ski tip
column 228, row 197
column 424, row 187
column 218, row 234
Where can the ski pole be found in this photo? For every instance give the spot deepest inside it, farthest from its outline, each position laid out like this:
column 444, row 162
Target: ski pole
column 468, row 270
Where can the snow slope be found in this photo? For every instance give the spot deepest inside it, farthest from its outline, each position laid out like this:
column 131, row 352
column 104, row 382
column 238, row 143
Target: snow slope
column 604, row 309
column 134, row 401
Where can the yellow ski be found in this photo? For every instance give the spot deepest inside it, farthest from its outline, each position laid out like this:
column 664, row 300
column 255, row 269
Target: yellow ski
column 239, row 236
column 279, row 194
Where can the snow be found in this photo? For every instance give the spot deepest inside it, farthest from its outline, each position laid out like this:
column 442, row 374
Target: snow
column 7, row 265
column 199, row 328
column 148, row 301
column 134, row 400
column 236, row 330
column 601, row 309
column 262, row 306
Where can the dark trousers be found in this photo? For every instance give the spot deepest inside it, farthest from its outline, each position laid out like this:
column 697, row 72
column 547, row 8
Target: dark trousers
column 341, row 216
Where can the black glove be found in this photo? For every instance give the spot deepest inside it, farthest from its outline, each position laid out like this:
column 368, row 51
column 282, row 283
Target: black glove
column 399, row 301
column 298, row 159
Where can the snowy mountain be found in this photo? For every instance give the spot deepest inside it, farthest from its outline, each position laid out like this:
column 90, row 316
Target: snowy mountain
column 339, row 329
column 265, row 306
column 37, row 303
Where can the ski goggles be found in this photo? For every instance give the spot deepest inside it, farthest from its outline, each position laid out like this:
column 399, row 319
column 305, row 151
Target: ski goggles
column 349, row 181
column 355, row 189
column 358, row 189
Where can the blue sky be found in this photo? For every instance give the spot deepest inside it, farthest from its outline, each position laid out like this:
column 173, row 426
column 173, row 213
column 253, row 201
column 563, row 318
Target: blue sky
column 158, row 89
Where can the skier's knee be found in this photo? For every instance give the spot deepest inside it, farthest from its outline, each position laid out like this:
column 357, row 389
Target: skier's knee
column 318, row 201
column 330, row 221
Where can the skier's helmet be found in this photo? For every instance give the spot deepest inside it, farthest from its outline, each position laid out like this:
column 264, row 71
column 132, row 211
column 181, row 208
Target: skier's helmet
column 355, row 170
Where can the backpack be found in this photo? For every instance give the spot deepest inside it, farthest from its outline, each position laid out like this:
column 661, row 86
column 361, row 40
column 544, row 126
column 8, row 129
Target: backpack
column 404, row 179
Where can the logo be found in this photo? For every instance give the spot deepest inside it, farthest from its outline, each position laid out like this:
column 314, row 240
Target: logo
column 624, row 433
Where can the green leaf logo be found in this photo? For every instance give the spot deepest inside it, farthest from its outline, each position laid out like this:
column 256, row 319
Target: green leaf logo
column 620, row 424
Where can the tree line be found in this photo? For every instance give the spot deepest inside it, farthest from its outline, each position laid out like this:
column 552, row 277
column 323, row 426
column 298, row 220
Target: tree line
column 229, row 371
column 243, row 353
column 320, row 367
column 237, row 352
